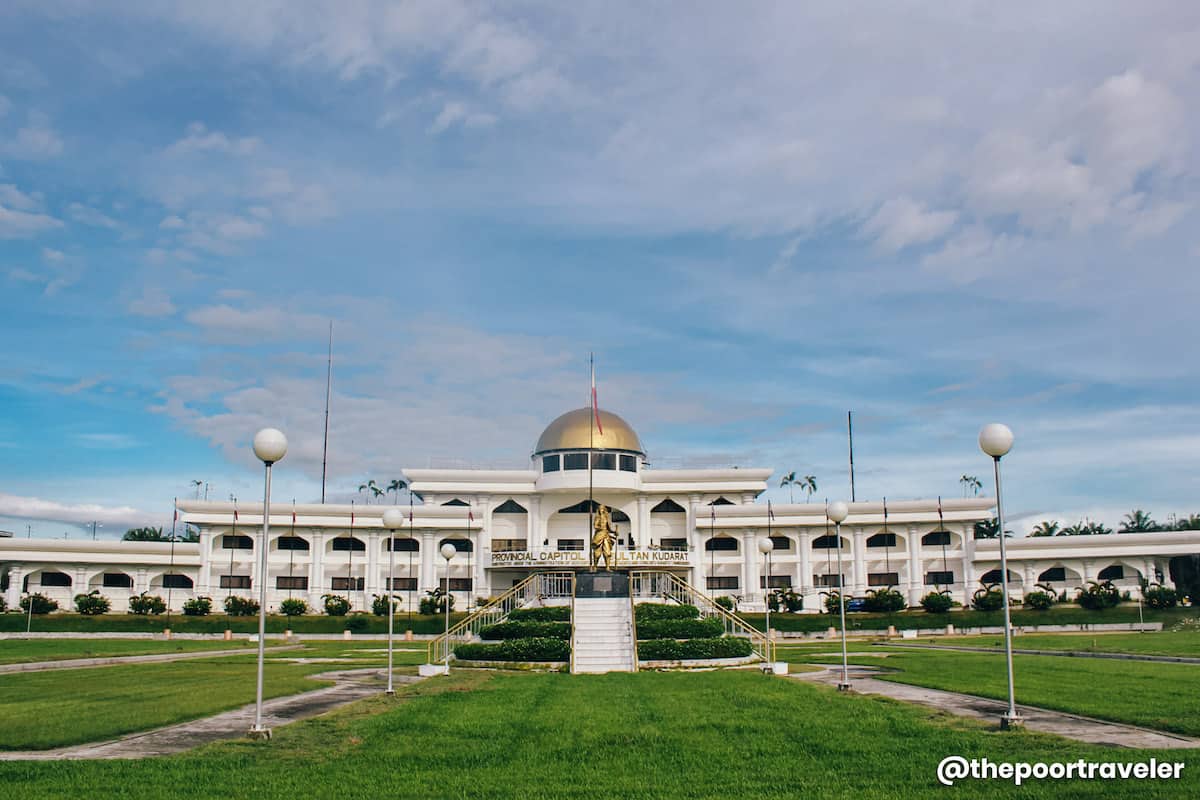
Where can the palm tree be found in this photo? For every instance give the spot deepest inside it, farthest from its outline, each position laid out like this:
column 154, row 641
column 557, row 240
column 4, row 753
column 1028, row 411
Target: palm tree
column 396, row 486
column 145, row 535
column 1047, row 527
column 1138, row 521
column 990, row 529
column 367, row 488
column 197, row 485
column 970, row 482
column 808, row 485
column 1188, row 523
column 789, row 480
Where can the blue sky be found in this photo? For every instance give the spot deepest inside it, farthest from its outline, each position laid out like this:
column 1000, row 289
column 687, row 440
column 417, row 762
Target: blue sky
column 757, row 219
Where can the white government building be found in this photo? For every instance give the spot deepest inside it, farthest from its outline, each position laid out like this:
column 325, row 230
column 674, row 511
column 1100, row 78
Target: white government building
column 700, row 524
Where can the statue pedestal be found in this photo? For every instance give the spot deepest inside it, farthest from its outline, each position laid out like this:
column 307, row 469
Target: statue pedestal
column 601, row 583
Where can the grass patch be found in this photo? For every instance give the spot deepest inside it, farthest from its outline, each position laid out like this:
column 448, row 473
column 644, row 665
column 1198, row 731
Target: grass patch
column 1066, row 614
column 543, row 736
column 1164, row 643
column 216, row 623
column 24, row 651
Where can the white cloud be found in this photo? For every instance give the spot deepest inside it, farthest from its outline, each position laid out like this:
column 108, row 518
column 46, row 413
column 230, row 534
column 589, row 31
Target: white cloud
column 248, row 326
column 456, row 113
column 15, row 224
column 172, row 223
column 77, row 513
column 153, row 302
column 86, row 215
column 35, row 141
column 52, row 256
column 902, row 222
column 82, row 385
column 201, row 140
column 13, row 197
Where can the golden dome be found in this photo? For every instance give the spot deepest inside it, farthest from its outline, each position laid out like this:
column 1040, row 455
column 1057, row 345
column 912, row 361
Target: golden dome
column 571, row 432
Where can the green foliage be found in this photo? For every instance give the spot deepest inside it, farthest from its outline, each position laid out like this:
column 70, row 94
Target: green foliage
column 785, row 600
column 885, row 600
column 534, row 649
column 3, row 604
column 357, row 622
column 146, row 604
column 1157, row 596
column 197, row 607
column 680, row 628
column 435, row 602
column 725, row 602
column 546, row 614
column 1047, row 527
column 989, row 598
column 92, row 603
column 693, row 649
column 240, row 606
column 1087, row 528
column 1138, row 521
column 379, row 604
column 1097, row 596
column 293, row 607
column 336, row 605
column 145, row 535
column 937, row 602
column 645, row 612
column 526, row 630
column 1039, row 600
column 41, row 603
column 831, row 601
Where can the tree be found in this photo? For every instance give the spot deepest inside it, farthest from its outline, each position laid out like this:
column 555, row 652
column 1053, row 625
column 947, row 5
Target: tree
column 1138, row 521
column 808, row 485
column 145, row 535
column 990, row 529
column 1188, row 523
column 396, row 486
column 789, row 481
column 1047, row 527
column 972, row 483
column 190, row 534
column 370, row 489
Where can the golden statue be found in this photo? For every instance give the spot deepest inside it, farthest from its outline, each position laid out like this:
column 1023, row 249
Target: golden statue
column 604, row 538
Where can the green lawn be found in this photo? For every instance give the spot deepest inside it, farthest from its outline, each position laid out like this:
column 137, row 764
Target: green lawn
column 20, row 651
column 1065, row 614
column 543, row 736
column 216, row 623
column 1155, row 695
column 1165, row 643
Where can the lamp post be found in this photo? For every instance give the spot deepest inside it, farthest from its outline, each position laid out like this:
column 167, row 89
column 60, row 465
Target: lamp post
column 448, row 551
column 270, row 445
column 837, row 513
column 996, row 440
column 765, row 546
column 393, row 518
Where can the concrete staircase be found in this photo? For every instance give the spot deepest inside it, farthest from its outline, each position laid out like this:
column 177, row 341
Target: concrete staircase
column 603, row 635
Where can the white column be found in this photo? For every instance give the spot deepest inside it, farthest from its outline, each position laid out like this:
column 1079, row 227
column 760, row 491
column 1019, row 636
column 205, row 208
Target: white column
column 804, row 579
column 968, row 567
column 372, row 584
column 641, row 529
column 1086, row 564
column 533, row 526
column 483, row 554
column 699, row 576
column 204, row 582
column 916, row 569
column 750, row 566
column 141, row 582
column 428, row 569
column 16, row 576
column 316, row 575
column 860, row 562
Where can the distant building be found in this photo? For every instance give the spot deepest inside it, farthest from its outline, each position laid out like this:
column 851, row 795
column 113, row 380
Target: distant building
column 700, row 524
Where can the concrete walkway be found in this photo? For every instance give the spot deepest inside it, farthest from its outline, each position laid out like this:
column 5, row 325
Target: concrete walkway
column 1071, row 726
column 350, row 685
column 145, row 658
column 1027, row 652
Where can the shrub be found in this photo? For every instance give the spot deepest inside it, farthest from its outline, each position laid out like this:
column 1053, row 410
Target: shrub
column 336, row 605
column 672, row 650
column 885, row 600
column 293, row 607
column 240, row 606
column 1160, row 597
column 526, row 630
column 831, row 602
column 435, row 602
column 785, row 600
column 725, row 602
column 547, row 614
column 379, row 604
column 645, row 612
column 988, row 598
column 1039, row 601
column 3, row 604
column 92, row 603
column 146, row 604
column 937, row 602
column 535, row 649
column 680, row 628
column 41, row 603
column 1098, row 596
column 197, row 607
column 355, row 622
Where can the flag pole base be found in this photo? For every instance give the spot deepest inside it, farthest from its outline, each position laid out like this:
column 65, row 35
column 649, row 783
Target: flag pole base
column 843, row 686
column 1010, row 721
column 259, row 733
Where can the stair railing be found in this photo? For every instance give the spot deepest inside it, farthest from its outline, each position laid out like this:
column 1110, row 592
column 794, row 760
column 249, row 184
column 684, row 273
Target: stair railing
column 537, row 587
column 669, row 586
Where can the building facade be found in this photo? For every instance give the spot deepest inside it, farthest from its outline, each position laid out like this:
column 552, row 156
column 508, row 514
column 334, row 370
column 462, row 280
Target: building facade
column 703, row 525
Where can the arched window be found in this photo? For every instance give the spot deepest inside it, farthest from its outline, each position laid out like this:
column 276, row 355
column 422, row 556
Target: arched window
column 936, row 539
column 993, row 576
column 406, row 545
column 721, row 501
column 781, row 543
column 721, row 543
column 239, row 542
column 461, row 545
column 882, row 540
column 1053, row 574
column 829, row 542
column 510, row 506
column 668, row 506
column 117, row 580
column 292, row 543
column 1114, row 572
column 348, row 544
column 176, row 581
column 455, row 502
column 55, row 578
column 582, row 508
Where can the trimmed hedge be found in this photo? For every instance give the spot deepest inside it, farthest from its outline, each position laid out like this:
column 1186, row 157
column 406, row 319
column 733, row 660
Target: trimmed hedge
column 691, row 649
column 216, row 623
column 533, row 649
column 547, row 614
column 526, row 630
column 645, row 612
column 680, row 628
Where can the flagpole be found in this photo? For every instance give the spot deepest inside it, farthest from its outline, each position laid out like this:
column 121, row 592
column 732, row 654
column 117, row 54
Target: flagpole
column 350, row 563
column 409, row 577
column 171, row 571
column 591, row 446
column 850, row 436
column 328, row 395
